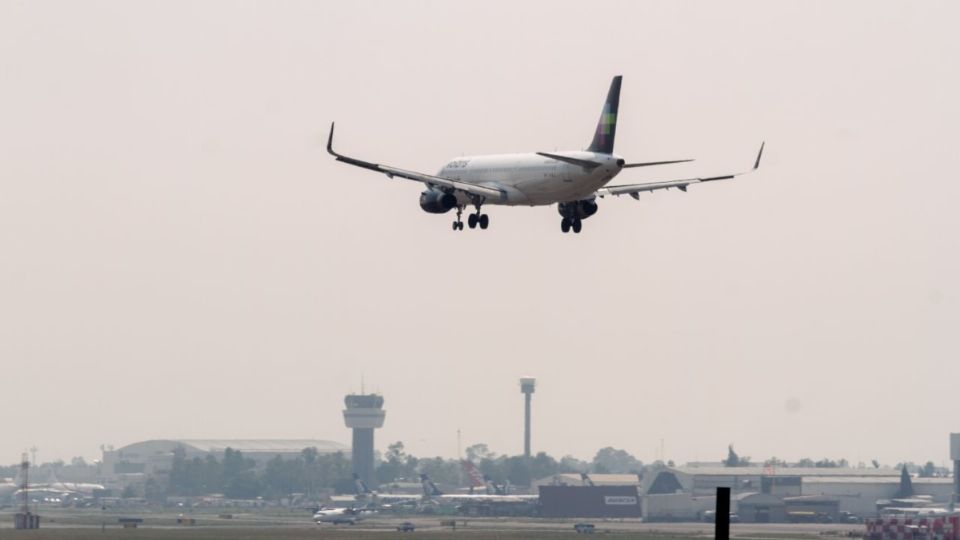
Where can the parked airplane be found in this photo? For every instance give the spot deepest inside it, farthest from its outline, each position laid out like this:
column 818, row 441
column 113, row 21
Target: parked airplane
column 364, row 496
column 56, row 491
column 573, row 180
column 78, row 488
column 433, row 494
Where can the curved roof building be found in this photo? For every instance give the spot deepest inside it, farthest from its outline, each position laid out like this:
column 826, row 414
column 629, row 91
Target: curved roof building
column 156, row 456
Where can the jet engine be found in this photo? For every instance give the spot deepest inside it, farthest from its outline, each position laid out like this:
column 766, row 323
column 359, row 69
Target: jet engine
column 437, row 202
column 578, row 209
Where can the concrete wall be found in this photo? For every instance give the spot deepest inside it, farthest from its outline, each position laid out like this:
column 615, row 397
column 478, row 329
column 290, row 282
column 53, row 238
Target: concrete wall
column 676, row 507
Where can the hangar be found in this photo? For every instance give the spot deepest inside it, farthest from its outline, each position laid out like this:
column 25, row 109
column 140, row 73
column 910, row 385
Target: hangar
column 133, row 463
column 859, row 495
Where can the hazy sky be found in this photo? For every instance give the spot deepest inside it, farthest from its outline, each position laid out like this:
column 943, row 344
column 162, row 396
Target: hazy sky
column 179, row 257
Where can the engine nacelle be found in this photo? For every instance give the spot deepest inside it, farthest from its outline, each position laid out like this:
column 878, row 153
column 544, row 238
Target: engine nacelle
column 578, row 209
column 437, row 202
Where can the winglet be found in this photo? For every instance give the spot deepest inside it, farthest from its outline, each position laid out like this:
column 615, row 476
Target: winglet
column 330, row 141
column 755, row 165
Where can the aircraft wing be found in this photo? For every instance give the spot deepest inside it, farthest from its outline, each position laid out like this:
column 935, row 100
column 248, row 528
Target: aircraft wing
column 634, row 190
column 472, row 189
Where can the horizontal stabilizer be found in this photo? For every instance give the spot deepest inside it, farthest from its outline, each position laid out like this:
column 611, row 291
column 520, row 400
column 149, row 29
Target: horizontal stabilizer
column 585, row 163
column 650, row 163
column 635, row 189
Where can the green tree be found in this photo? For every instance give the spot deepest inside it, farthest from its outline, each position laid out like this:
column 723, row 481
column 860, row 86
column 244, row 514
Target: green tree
column 542, row 466
column 441, row 471
column 244, row 485
column 612, row 460
column 478, row 452
column 153, row 491
column 570, row 464
column 397, row 465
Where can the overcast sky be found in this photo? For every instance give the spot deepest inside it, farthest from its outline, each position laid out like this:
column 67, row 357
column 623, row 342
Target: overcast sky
column 180, row 258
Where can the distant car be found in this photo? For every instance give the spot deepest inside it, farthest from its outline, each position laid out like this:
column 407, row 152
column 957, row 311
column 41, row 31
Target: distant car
column 584, row 528
column 710, row 516
column 406, row 526
column 848, row 517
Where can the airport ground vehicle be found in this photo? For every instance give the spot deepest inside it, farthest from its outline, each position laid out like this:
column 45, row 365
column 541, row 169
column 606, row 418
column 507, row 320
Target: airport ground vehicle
column 584, row 528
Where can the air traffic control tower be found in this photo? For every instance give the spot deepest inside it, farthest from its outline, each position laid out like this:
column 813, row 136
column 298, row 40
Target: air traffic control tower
column 364, row 413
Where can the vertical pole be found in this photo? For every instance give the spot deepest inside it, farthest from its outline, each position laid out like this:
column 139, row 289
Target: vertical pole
column 526, row 425
column 722, row 526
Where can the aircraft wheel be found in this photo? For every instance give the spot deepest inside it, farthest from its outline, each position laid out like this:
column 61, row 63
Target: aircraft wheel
column 456, row 226
column 577, row 225
column 565, row 225
column 484, row 221
column 472, row 221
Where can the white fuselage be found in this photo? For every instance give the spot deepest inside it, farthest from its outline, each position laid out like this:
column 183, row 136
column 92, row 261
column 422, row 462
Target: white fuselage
column 532, row 179
column 337, row 516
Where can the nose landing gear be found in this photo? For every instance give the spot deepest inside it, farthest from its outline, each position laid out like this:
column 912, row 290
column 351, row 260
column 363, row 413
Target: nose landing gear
column 458, row 224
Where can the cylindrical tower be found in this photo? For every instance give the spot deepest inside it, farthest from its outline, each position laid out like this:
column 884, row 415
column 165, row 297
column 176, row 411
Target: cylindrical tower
column 527, row 387
column 363, row 414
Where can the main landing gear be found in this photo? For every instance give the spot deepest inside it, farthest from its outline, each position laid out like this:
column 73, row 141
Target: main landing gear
column 473, row 220
column 571, row 223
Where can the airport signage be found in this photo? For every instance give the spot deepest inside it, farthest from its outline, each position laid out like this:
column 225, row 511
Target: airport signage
column 620, row 500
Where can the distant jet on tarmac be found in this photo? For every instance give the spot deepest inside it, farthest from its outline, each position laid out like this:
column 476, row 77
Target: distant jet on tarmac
column 570, row 179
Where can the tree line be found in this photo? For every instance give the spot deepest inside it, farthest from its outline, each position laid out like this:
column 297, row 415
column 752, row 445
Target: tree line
column 311, row 473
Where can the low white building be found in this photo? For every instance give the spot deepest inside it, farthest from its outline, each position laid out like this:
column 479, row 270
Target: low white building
column 859, row 495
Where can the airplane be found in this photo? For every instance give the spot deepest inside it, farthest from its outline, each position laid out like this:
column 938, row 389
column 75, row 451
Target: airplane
column 373, row 499
column 53, row 490
column 77, row 488
column 431, row 493
column 573, row 180
column 336, row 516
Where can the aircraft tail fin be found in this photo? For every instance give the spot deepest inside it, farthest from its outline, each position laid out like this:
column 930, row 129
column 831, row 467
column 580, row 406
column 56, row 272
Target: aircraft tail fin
column 429, row 488
column 607, row 125
column 476, row 479
column 360, row 485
